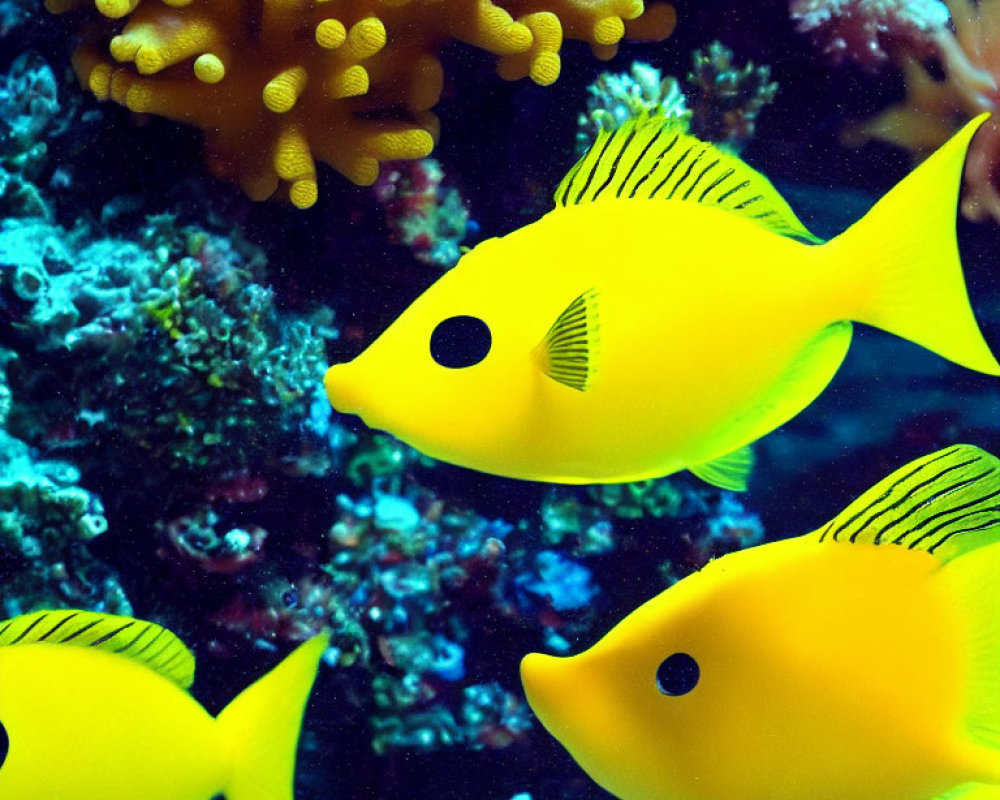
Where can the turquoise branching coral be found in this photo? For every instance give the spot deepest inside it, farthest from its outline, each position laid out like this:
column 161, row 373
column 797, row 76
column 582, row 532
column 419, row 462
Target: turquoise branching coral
column 278, row 84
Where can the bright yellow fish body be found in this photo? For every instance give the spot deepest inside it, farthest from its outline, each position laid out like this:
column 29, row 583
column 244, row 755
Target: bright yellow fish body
column 686, row 316
column 860, row 661
column 83, row 717
column 621, row 338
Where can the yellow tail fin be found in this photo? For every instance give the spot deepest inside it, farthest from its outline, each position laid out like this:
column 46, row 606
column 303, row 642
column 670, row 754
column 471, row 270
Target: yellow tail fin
column 262, row 725
column 903, row 258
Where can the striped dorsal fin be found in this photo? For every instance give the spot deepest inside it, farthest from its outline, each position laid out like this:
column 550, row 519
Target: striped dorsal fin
column 654, row 157
column 145, row 643
column 946, row 503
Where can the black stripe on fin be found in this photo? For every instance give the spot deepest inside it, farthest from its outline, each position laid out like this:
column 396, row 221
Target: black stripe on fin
column 568, row 353
column 619, row 162
column 946, row 503
column 114, row 634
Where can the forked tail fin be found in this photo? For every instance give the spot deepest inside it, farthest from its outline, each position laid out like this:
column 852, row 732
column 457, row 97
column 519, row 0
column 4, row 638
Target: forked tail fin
column 903, row 259
column 262, row 726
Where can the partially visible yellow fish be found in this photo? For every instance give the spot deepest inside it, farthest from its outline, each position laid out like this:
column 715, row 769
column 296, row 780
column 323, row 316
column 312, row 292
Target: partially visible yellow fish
column 666, row 314
column 94, row 707
column 857, row 662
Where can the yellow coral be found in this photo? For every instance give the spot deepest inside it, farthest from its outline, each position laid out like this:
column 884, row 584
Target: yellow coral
column 278, row 84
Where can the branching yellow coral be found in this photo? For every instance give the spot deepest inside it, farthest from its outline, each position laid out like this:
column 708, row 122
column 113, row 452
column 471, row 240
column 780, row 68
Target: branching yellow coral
column 279, row 84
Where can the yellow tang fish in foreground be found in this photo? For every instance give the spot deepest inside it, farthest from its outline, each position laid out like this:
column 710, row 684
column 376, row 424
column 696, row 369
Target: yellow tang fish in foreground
column 94, row 707
column 667, row 313
column 857, row 662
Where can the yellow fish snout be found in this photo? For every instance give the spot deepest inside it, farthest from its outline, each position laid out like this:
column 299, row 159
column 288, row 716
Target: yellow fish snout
column 343, row 389
column 544, row 684
column 581, row 706
column 554, row 688
column 567, row 697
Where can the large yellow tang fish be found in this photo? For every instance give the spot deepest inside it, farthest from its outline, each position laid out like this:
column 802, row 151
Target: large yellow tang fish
column 857, row 662
column 94, row 707
column 668, row 312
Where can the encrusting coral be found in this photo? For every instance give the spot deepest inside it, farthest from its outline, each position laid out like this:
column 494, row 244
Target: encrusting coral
column 29, row 115
column 217, row 377
column 46, row 522
column 278, row 84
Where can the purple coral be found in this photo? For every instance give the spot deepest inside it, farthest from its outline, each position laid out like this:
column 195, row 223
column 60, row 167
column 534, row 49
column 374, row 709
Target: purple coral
column 201, row 538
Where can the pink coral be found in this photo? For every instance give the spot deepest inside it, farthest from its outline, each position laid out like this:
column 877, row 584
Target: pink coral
column 427, row 217
column 860, row 29
column 200, row 537
column 968, row 50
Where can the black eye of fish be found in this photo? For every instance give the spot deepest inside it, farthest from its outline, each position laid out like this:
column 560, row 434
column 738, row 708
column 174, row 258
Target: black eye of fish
column 4, row 744
column 677, row 674
column 460, row 342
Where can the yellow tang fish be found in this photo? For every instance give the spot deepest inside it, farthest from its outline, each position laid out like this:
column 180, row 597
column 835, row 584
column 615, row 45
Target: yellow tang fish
column 858, row 662
column 668, row 312
column 93, row 707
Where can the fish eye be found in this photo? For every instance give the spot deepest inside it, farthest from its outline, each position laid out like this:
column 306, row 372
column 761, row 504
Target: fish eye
column 4, row 744
column 677, row 674
column 460, row 342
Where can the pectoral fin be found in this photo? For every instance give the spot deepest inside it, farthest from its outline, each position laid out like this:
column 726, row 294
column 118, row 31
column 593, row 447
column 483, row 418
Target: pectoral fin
column 729, row 472
column 568, row 353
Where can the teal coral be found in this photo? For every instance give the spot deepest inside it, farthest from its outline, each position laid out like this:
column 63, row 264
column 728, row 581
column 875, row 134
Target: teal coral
column 215, row 377
column 615, row 98
column 381, row 458
column 6, row 397
column 719, row 100
column 14, row 13
column 46, row 523
column 569, row 522
column 660, row 497
column 726, row 98
column 489, row 717
column 29, row 109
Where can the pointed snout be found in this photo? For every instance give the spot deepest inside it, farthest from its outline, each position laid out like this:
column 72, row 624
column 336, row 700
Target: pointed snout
column 545, row 686
column 572, row 699
column 342, row 388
